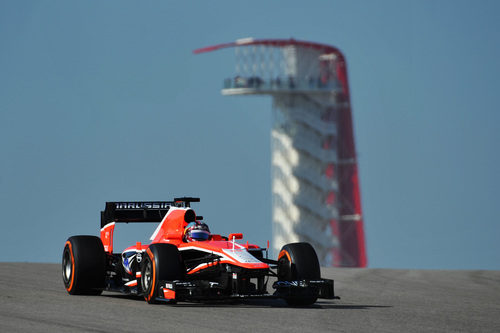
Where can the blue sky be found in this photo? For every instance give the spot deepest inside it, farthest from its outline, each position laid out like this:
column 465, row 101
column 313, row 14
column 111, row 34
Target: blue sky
column 104, row 101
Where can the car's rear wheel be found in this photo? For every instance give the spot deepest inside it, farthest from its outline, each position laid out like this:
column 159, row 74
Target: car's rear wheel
column 83, row 265
column 162, row 262
column 298, row 261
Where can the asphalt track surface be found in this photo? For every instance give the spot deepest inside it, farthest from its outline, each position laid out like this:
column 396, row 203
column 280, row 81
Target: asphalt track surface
column 33, row 299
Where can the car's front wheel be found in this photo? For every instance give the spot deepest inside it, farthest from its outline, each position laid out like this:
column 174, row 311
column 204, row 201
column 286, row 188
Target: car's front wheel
column 162, row 262
column 298, row 261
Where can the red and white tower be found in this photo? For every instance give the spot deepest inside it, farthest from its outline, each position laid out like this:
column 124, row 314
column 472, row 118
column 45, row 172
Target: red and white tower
column 315, row 184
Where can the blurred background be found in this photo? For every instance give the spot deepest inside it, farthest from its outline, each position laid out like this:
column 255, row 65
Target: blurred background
column 105, row 101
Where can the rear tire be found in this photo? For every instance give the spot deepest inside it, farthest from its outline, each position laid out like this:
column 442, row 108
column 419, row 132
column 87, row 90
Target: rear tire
column 161, row 262
column 298, row 261
column 84, row 265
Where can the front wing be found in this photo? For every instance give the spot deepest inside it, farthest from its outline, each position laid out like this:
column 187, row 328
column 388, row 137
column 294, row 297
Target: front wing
column 201, row 290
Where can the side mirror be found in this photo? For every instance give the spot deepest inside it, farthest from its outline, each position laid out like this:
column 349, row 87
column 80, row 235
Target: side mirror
column 236, row 236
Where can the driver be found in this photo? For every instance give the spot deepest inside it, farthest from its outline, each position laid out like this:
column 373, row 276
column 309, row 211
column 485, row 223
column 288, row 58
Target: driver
column 196, row 231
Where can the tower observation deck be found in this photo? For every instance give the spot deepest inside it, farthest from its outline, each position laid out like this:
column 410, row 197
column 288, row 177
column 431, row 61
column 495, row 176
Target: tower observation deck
column 315, row 184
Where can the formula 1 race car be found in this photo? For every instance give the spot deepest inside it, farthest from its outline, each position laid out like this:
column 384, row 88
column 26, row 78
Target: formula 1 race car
column 185, row 262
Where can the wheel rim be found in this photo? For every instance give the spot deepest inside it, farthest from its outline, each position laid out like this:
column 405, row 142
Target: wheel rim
column 148, row 274
column 67, row 266
column 284, row 269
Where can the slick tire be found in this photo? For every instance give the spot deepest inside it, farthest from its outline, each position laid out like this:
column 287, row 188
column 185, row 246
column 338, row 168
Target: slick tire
column 83, row 265
column 162, row 262
column 298, row 261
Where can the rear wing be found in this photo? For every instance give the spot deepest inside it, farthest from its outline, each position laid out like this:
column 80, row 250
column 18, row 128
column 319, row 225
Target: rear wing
column 141, row 211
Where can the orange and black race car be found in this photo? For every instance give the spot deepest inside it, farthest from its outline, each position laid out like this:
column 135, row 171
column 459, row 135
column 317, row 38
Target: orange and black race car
column 185, row 262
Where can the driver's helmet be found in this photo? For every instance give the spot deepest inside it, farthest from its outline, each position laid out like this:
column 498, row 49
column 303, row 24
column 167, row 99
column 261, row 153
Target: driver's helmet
column 196, row 231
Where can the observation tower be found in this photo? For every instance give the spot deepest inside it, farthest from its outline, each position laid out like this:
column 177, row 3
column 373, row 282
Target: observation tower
column 315, row 183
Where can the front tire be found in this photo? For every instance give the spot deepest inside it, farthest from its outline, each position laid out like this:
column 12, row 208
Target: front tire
column 161, row 262
column 84, row 265
column 298, row 261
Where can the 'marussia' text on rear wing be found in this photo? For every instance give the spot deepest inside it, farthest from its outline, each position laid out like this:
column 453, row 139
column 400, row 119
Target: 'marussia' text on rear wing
column 141, row 211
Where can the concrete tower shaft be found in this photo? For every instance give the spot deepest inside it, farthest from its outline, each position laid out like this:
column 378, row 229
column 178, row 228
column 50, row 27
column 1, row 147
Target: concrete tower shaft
column 315, row 187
